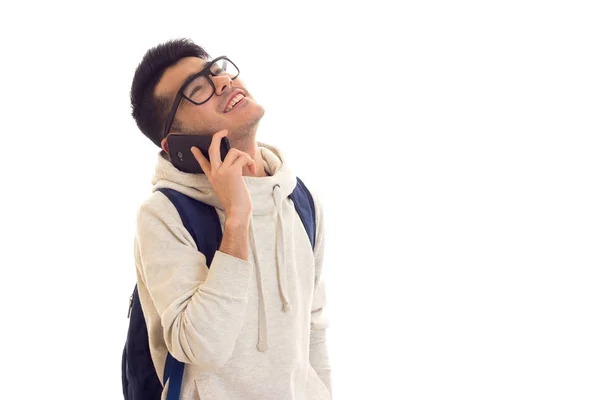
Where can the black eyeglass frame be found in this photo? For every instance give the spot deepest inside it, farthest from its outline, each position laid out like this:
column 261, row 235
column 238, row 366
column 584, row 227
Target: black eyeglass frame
column 205, row 72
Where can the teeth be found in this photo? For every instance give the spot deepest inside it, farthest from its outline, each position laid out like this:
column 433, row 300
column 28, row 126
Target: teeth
column 234, row 101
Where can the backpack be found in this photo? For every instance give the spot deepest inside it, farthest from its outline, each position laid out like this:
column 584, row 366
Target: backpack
column 139, row 378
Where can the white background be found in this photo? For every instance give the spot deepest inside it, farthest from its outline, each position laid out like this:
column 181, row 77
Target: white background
column 455, row 147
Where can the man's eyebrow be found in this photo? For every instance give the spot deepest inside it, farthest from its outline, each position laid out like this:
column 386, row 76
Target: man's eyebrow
column 187, row 78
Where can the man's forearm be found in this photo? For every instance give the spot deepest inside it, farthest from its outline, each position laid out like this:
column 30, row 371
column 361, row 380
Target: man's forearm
column 235, row 238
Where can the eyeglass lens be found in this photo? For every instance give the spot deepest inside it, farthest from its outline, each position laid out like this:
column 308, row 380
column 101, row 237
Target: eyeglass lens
column 200, row 89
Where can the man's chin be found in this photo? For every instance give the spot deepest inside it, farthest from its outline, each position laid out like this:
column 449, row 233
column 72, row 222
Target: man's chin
column 246, row 129
column 254, row 108
column 253, row 117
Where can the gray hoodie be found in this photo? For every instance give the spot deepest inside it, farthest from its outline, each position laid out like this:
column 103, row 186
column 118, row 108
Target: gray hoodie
column 245, row 329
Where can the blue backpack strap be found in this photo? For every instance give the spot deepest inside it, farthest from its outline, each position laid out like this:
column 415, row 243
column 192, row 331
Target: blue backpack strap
column 202, row 222
column 200, row 219
column 305, row 207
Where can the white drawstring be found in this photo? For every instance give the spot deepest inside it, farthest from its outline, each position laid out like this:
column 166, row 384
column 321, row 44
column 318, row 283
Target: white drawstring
column 263, row 339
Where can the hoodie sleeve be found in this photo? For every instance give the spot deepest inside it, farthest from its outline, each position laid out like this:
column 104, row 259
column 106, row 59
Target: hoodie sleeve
column 319, row 357
column 201, row 310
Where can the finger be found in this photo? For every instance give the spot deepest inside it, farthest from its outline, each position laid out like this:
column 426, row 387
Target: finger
column 232, row 156
column 204, row 163
column 214, row 151
column 241, row 155
column 252, row 168
column 245, row 161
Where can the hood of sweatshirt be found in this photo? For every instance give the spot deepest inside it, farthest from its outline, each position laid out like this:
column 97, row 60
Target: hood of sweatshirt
column 267, row 194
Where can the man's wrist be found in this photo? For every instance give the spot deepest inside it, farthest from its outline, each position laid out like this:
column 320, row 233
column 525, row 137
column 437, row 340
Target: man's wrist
column 237, row 222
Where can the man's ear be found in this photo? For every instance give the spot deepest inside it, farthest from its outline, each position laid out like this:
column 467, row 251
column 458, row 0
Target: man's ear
column 164, row 145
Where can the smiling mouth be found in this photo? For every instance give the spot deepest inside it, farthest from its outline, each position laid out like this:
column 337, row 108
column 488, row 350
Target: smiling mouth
column 237, row 99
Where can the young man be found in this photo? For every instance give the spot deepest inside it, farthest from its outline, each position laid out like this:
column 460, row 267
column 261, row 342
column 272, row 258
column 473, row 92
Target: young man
column 252, row 326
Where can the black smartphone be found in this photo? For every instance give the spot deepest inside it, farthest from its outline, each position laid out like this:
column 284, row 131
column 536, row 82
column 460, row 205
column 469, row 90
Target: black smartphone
column 180, row 151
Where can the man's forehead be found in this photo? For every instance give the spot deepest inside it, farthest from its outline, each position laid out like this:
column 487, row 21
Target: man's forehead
column 176, row 74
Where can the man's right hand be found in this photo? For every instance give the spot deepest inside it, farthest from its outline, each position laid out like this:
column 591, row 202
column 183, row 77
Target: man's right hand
column 226, row 177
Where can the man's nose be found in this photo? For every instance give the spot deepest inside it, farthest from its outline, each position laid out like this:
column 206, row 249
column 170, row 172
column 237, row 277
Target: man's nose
column 222, row 82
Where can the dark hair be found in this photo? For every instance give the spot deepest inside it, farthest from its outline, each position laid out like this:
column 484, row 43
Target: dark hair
column 150, row 112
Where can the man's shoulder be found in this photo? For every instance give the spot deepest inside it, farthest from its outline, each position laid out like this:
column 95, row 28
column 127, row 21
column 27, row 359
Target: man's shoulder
column 157, row 205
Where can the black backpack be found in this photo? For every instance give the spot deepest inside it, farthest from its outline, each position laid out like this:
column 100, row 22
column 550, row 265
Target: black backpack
column 140, row 380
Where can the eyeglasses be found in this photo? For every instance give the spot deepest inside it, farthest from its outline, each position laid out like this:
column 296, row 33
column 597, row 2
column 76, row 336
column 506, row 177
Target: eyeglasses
column 199, row 88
